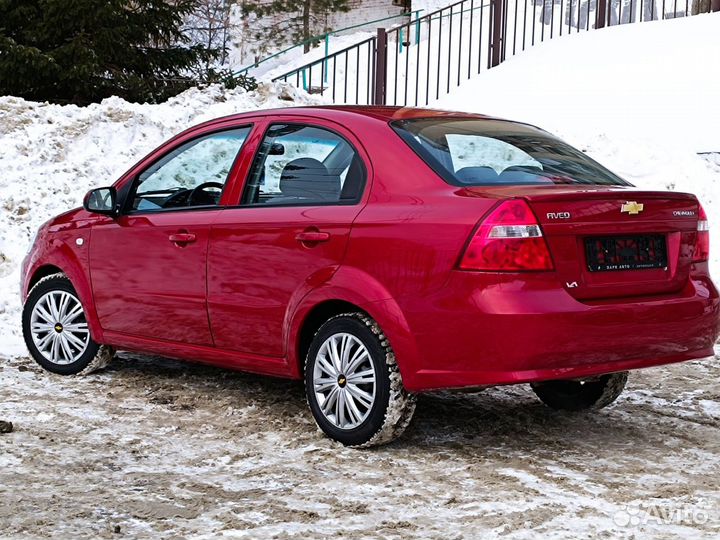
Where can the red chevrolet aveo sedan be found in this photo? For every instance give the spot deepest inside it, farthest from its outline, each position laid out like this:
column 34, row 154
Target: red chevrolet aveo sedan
column 377, row 252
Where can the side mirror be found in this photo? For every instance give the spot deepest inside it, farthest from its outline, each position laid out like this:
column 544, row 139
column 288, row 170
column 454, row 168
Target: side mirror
column 101, row 201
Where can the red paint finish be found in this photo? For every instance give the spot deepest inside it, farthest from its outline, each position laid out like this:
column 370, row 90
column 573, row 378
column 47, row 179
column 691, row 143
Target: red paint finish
column 257, row 267
column 233, row 285
column 149, row 275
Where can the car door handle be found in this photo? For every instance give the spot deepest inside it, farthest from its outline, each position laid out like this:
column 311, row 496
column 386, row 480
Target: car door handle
column 182, row 238
column 312, row 236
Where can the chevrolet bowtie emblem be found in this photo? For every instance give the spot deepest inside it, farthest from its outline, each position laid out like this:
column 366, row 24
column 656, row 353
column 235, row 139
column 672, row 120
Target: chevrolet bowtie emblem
column 632, row 208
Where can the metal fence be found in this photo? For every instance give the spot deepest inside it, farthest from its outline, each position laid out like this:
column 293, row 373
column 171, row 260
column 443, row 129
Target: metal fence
column 418, row 62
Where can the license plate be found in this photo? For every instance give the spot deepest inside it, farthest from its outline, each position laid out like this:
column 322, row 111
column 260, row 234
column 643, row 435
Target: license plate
column 626, row 253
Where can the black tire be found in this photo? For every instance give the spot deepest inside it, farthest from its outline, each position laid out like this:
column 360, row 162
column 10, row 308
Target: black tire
column 393, row 406
column 94, row 357
column 581, row 395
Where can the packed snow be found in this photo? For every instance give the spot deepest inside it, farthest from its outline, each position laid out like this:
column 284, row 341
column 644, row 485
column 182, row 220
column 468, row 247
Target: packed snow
column 157, row 448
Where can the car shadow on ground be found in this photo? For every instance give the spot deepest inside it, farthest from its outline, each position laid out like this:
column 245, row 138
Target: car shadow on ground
column 503, row 417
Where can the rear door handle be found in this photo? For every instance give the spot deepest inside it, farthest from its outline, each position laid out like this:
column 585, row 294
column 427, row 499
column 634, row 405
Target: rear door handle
column 182, row 238
column 312, row 236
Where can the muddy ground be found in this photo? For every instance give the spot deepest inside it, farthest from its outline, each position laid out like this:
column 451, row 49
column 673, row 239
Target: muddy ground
column 159, row 449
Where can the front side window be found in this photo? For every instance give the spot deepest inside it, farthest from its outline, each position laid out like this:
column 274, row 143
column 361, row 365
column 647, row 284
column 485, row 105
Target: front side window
column 476, row 152
column 192, row 175
column 304, row 165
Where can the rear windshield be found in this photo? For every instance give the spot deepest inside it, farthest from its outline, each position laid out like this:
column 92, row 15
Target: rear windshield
column 475, row 152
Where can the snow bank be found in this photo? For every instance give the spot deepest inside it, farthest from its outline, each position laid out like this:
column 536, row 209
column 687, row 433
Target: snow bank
column 640, row 98
column 50, row 155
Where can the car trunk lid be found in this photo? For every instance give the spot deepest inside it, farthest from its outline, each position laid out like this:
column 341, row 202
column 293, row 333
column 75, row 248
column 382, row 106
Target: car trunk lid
column 611, row 242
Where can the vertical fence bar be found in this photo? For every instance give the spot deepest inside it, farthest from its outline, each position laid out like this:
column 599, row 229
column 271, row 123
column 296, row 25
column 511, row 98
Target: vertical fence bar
column 480, row 37
column 370, row 80
column 525, row 22
column 327, row 53
column 417, row 65
column 357, row 76
column 380, row 67
column 450, row 43
column 515, row 27
column 333, row 77
column 345, row 76
column 398, row 50
column 496, row 7
column 579, row 13
column 407, row 68
column 460, row 43
column 472, row 12
column 427, row 77
column 601, row 13
column 323, row 76
column 437, row 85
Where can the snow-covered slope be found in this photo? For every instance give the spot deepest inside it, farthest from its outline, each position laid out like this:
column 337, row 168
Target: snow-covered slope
column 50, row 155
column 643, row 99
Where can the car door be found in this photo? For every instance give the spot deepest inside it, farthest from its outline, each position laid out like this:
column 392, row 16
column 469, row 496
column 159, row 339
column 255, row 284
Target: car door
column 148, row 265
column 287, row 235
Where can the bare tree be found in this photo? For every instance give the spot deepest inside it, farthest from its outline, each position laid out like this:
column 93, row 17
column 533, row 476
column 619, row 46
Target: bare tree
column 209, row 25
column 297, row 20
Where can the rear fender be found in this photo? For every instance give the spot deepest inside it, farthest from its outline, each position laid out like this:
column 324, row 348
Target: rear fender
column 356, row 287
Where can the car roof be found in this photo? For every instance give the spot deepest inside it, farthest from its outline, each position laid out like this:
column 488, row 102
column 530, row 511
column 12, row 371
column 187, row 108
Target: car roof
column 341, row 112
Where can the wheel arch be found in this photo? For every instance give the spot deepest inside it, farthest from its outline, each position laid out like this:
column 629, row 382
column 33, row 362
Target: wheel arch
column 41, row 272
column 341, row 295
column 63, row 260
column 314, row 319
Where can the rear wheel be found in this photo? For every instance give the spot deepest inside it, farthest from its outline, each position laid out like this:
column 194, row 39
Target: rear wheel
column 56, row 330
column 593, row 393
column 353, row 384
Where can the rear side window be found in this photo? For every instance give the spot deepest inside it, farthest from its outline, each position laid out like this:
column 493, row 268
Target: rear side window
column 476, row 152
column 304, row 165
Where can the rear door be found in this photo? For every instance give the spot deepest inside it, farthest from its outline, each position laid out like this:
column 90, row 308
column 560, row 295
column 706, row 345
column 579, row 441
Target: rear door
column 288, row 233
column 148, row 266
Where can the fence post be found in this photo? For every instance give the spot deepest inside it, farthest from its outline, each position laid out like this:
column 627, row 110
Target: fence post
column 496, row 31
column 601, row 13
column 380, row 67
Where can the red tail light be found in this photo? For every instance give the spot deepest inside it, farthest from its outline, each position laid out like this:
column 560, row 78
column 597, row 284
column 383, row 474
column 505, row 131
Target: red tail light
column 508, row 240
column 702, row 240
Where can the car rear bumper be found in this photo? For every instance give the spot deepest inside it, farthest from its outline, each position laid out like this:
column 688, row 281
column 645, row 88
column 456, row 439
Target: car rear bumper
column 488, row 332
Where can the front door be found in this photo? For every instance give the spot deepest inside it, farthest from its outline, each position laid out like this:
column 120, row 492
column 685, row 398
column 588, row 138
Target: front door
column 148, row 266
column 288, row 235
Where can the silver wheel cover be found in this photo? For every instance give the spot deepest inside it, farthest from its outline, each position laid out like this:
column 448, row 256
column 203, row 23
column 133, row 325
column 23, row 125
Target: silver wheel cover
column 58, row 327
column 344, row 381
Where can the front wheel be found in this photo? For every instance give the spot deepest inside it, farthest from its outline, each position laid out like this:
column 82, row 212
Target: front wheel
column 56, row 330
column 581, row 395
column 353, row 383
